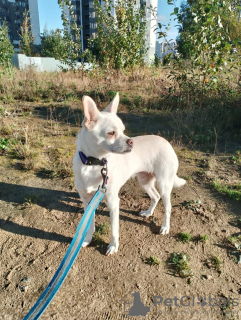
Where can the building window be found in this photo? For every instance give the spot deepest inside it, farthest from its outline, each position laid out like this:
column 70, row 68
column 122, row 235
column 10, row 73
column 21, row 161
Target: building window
column 92, row 14
column 93, row 25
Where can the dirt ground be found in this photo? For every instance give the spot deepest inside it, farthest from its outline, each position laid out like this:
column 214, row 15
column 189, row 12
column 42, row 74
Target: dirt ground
column 39, row 216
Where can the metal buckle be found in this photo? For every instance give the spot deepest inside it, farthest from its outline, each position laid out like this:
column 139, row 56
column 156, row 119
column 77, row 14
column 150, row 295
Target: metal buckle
column 104, row 172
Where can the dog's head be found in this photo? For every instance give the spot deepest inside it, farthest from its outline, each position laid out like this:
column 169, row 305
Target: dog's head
column 105, row 129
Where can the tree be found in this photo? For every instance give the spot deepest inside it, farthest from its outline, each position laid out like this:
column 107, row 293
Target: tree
column 215, row 22
column 204, row 37
column 26, row 38
column 6, row 47
column 120, row 39
column 54, row 45
column 71, row 35
column 207, row 44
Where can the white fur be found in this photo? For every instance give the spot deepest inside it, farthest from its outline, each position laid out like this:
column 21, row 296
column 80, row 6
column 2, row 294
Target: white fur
column 151, row 159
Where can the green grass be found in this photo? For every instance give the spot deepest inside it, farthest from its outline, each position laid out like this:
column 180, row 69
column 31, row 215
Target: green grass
column 30, row 201
column 4, row 144
column 152, row 261
column 233, row 192
column 236, row 246
column 101, row 230
column 236, row 158
column 203, row 238
column 184, row 237
column 180, row 264
column 215, row 262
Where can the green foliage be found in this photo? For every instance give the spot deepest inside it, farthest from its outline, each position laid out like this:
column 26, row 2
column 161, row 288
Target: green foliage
column 30, row 201
column 167, row 59
column 232, row 191
column 4, row 144
column 235, row 241
column 120, row 40
column 26, row 38
column 226, row 18
column 208, row 45
column 71, row 36
column 6, row 47
column 152, row 261
column 207, row 42
column 184, row 237
column 203, row 23
column 215, row 262
column 101, row 230
column 203, row 238
column 53, row 44
column 180, row 264
column 156, row 61
column 236, row 158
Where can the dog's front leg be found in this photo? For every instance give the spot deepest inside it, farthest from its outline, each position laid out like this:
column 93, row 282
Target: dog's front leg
column 91, row 230
column 112, row 201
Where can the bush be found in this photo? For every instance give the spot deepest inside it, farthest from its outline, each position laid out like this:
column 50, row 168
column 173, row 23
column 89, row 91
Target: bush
column 53, row 44
column 6, row 47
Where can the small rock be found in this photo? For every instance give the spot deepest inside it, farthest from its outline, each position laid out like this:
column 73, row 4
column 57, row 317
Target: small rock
column 206, row 277
column 23, row 288
column 26, row 279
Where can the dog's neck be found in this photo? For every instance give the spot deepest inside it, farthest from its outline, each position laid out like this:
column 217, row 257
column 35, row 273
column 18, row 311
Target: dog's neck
column 89, row 150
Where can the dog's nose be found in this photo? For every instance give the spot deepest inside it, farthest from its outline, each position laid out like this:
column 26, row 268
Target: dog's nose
column 129, row 142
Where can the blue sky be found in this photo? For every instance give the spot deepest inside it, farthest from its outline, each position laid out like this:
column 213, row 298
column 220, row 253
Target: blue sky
column 164, row 15
column 50, row 15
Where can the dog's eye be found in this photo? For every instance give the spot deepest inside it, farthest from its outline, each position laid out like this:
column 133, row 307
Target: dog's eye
column 112, row 133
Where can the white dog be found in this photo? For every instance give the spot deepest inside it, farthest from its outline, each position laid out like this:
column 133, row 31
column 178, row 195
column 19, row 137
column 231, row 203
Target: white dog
column 150, row 158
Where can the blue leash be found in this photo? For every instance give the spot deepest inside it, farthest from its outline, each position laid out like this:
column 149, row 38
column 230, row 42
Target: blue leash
column 68, row 260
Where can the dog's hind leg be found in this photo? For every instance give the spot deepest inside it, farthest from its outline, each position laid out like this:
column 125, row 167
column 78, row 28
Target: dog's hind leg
column 147, row 181
column 166, row 189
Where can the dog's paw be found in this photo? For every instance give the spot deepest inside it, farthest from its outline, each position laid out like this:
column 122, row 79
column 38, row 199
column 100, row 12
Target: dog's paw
column 145, row 213
column 164, row 229
column 111, row 249
column 85, row 244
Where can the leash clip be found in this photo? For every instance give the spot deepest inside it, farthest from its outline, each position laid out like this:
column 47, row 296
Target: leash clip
column 104, row 172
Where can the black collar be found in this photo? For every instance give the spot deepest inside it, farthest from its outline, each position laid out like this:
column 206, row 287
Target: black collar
column 91, row 161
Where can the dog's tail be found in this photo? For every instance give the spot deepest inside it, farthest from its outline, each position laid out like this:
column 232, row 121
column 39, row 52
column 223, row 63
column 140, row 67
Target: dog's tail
column 178, row 182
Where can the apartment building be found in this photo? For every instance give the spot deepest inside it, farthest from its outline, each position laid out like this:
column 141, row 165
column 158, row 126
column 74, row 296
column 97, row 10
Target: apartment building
column 12, row 11
column 85, row 16
column 166, row 47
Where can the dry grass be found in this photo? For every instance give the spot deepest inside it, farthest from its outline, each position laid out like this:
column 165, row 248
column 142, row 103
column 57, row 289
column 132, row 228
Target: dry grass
column 196, row 119
column 29, row 85
column 45, row 146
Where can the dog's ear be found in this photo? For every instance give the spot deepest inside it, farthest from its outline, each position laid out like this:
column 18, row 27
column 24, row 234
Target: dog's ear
column 113, row 106
column 90, row 111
